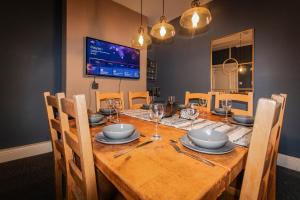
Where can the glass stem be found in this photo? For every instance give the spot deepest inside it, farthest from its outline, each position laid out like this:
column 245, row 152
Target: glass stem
column 156, row 127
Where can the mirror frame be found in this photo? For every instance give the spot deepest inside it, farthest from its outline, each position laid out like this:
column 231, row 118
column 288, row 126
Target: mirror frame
column 211, row 57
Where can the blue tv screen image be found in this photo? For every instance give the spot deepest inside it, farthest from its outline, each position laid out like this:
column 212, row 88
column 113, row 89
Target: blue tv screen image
column 109, row 59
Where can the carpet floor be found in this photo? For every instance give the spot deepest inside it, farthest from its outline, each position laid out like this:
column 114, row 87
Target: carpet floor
column 33, row 178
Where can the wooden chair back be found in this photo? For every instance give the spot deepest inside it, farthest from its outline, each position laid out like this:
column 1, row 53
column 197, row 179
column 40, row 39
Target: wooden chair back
column 244, row 98
column 137, row 95
column 103, row 96
column 81, row 179
column 281, row 99
column 196, row 96
column 57, row 139
column 261, row 149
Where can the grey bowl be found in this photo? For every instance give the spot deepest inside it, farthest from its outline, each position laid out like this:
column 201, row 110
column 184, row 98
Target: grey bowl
column 118, row 131
column 145, row 106
column 208, row 138
column 95, row 118
column 244, row 119
column 220, row 110
column 181, row 106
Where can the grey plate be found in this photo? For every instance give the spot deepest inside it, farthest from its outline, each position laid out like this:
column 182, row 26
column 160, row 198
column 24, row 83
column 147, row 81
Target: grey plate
column 220, row 114
column 228, row 147
column 238, row 123
column 107, row 111
column 103, row 121
column 102, row 139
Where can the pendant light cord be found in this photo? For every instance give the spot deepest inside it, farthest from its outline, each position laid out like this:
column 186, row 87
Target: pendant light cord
column 163, row 7
column 141, row 12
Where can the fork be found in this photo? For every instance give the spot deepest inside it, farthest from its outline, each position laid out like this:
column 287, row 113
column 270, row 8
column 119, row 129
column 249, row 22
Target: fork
column 173, row 144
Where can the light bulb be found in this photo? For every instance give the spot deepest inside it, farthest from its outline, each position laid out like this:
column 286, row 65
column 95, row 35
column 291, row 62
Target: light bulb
column 162, row 31
column 141, row 39
column 195, row 20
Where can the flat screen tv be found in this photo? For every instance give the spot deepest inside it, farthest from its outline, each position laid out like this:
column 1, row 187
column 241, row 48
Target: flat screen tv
column 112, row 60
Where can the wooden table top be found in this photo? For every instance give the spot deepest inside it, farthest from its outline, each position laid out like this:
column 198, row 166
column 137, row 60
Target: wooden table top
column 157, row 171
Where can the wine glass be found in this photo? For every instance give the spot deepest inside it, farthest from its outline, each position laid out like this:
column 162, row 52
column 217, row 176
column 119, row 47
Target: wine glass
column 193, row 113
column 203, row 104
column 171, row 101
column 156, row 113
column 110, row 104
column 226, row 105
column 117, row 107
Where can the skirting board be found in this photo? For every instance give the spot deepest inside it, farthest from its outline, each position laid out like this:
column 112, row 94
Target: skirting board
column 288, row 162
column 45, row 147
column 25, row 151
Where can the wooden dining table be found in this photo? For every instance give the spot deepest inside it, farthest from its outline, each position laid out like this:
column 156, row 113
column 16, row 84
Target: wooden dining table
column 157, row 171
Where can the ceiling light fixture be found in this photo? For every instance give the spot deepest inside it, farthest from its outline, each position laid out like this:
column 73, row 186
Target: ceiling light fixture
column 196, row 17
column 163, row 30
column 141, row 40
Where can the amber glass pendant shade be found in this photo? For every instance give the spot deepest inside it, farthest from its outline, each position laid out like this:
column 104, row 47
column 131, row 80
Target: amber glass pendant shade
column 141, row 40
column 196, row 17
column 162, row 30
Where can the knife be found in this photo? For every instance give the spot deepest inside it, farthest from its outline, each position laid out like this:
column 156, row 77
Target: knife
column 135, row 147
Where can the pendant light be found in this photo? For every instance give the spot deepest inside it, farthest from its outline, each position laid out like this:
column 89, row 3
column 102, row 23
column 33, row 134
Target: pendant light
column 163, row 30
column 196, row 17
column 141, row 40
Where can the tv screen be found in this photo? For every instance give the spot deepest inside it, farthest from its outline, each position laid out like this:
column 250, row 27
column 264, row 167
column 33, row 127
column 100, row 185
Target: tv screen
column 113, row 60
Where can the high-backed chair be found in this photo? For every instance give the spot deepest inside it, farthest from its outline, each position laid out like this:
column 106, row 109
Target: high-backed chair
column 281, row 98
column 197, row 96
column 103, row 96
column 81, row 179
column 138, row 95
column 57, row 140
column 261, row 149
column 244, row 98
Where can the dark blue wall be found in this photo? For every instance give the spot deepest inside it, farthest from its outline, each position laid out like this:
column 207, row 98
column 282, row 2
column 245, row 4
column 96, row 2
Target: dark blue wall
column 185, row 64
column 30, row 64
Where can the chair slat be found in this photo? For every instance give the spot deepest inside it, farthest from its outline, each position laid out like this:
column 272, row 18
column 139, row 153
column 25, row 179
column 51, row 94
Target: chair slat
column 52, row 101
column 56, row 125
column 137, row 95
column 67, row 106
column 102, row 96
column 76, row 174
column 207, row 96
column 72, row 141
column 59, row 146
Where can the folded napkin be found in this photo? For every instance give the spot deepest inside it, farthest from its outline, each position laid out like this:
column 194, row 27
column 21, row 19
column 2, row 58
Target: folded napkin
column 237, row 134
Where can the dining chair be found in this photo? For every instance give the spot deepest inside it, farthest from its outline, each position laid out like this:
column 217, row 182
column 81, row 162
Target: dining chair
column 279, row 98
column 103, row 96
column 81, row 178
column 197, row 96
column 243, row 98
column 135, row 96
column 57, row 140
column 261, row 150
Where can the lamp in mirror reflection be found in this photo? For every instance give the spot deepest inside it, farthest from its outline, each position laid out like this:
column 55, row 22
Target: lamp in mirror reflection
column 141, row 40
column 163, row 30
column 195, row 18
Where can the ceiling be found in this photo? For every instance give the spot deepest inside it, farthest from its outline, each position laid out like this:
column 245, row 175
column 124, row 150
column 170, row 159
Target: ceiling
column 153, row 8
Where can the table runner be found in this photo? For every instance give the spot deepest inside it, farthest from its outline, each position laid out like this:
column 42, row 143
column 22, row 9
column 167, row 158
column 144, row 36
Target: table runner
column 239, row 135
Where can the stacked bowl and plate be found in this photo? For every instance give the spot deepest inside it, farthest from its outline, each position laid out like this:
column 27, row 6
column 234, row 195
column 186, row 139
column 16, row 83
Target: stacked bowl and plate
column 117, row 134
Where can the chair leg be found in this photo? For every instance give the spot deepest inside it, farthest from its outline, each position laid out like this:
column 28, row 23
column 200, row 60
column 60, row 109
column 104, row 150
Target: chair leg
column 272, row 183
column 58, row 183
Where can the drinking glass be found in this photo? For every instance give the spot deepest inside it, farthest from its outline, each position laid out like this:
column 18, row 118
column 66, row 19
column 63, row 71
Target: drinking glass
column 226, row 105
column 203, row 104
column 193, row 113
column 156, row 113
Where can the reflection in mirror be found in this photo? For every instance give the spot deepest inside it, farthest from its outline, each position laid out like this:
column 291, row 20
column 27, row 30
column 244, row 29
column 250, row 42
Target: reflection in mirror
column 232, row 63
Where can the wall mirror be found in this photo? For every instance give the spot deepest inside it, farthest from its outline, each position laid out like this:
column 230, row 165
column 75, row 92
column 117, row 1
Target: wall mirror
column 232, row 63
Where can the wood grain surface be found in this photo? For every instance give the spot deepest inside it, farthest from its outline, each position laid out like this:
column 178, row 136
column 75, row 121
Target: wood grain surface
column 157, row 171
